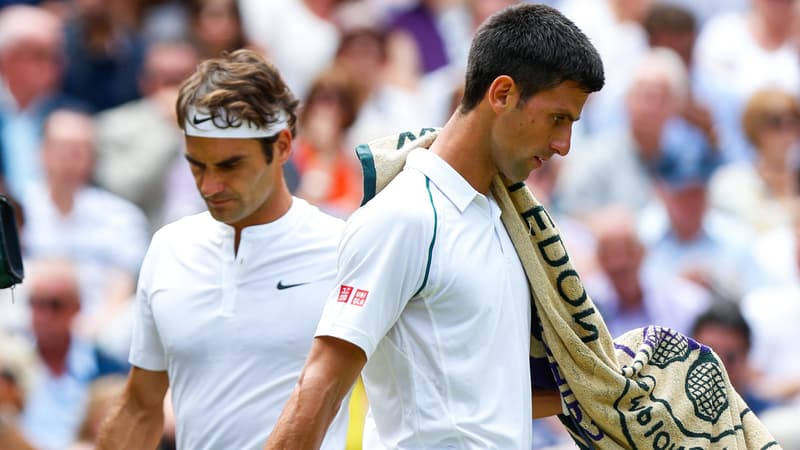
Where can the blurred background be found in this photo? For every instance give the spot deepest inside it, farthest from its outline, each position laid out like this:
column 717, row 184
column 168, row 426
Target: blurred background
column 678, row 202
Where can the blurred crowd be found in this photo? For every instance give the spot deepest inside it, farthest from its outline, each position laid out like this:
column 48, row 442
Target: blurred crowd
column 678, row 201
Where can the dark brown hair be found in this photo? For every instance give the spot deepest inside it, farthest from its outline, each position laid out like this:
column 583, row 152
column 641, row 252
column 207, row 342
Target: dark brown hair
column 243, row 85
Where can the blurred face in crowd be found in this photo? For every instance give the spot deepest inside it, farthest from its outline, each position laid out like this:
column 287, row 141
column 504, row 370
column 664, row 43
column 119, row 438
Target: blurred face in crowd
column 731, row 346
column 54, row 302
column 779, row 133
column 68, row 149
column 217, row 26
column 651, row 102
column 619, row 252
column 167, row 65
column 235, row 179
column 777, row 14
column 686, row 206
column 32, row 64
column 630, row 10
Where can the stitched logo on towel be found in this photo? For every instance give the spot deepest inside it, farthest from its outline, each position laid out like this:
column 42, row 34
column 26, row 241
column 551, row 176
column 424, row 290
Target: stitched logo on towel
column 668, row 346
column 360, row 297
column 344, row 293
column 705, row 387
column 646, row 408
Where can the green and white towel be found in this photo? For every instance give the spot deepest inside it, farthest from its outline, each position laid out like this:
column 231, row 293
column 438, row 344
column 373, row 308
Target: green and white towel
column 651, row 388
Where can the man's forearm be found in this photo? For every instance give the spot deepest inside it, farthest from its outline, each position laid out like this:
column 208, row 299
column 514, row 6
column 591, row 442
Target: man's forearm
column 131, row 427
column 330, row 371
column 307, row 415
column 546, row 403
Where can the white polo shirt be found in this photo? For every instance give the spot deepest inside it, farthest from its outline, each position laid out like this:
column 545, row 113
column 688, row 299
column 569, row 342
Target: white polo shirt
column 233, row 331
column 431, row 288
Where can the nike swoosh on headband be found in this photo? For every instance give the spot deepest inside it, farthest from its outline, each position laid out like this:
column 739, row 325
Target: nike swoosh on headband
column 196, row 120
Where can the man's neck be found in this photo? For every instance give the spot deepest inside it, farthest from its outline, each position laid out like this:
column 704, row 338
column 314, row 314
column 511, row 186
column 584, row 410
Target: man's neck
column 63, row 199
column 55, row 357
column 275, row 207
column 462, row 143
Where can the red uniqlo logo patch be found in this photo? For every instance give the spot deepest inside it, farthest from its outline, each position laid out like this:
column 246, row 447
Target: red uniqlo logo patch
column 360, row 298
column 344, row 293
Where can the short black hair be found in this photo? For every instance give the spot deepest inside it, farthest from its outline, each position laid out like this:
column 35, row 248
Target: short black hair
column 726, row 314
column 537, row 47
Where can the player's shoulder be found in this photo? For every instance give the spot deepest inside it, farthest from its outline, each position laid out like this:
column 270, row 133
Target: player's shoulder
column 186, row 228
column 403, row 207
column 404, row 197
column 311, row 218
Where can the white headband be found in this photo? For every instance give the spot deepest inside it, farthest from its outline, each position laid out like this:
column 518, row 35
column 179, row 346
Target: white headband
column 203, row 124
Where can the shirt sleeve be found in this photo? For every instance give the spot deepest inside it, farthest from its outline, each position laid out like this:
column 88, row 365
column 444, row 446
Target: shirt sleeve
column 147, row 351
column 383, row 261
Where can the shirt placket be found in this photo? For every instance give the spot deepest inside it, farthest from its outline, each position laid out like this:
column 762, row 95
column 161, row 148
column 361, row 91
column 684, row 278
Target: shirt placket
column 231, row 271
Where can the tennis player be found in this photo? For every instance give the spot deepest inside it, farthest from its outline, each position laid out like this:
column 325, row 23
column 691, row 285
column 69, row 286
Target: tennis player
column 228, row 300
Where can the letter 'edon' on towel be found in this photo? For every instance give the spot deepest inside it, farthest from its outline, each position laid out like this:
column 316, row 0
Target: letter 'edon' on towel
column 652, row 387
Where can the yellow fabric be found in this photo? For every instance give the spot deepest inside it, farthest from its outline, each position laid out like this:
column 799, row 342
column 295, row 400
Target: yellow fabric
column 651, row 388
column 358, row 409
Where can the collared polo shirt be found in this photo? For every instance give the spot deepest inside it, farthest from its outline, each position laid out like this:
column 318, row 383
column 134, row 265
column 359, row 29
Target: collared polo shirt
column 233, row 330
column 431, row 288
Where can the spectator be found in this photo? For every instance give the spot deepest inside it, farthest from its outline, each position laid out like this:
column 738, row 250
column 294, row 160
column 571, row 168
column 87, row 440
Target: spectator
column 723, row 328
column 330, row 175
column 216, row 26
column 66, row 364
column 143, row 134
column 618, row 167
column 615, row 28
column 31, row 56
column 629, row 297
column 674, row 27
column 749, row 50
column 759, row 192
column 103, row 57
column 686, row 239
column 105, row 235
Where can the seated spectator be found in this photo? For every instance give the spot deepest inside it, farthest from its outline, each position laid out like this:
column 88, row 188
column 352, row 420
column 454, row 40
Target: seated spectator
column 674, row 27
column 144, row 134
column 759, row 192
column 31, row 58
column 618, row 167
column 723, row 328
column 738, row 53
column 66, row 364
column 103, row 57
column 66, row 217
column 328, row 168
column 626, row 295
column 685, row 238
column 216, row 26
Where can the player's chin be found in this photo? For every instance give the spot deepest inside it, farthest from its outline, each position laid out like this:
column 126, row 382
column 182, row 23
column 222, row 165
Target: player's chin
column 520, row 173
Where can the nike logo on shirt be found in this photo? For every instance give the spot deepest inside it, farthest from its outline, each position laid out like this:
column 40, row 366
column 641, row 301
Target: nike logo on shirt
column 282, row 286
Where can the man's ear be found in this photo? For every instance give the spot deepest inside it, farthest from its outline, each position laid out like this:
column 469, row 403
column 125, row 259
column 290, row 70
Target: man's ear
column 503, row 94
column 282, row 148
